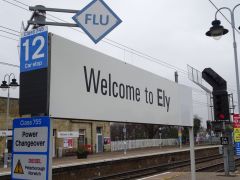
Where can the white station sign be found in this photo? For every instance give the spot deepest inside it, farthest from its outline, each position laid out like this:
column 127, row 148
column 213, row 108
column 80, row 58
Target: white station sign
column 5, row 133
column 86, row 84
column 32, row 149
column 68, row 134
column 31, row 139
column 30, row 166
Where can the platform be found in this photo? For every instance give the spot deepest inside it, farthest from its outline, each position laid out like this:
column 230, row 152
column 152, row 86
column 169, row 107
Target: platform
column 187, row 176
column 112, row 156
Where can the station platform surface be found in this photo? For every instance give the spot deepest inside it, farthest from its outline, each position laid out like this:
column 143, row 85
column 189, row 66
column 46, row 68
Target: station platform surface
column 199, row 176
column 111, row 156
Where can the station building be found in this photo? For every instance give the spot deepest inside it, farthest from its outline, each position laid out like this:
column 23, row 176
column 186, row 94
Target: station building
column 68, row 134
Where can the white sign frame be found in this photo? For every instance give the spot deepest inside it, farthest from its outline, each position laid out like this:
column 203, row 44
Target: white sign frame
column 70, row 99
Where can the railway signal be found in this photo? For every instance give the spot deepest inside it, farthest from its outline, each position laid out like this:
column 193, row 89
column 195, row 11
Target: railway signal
column 221, row 115
column 220, row 94
column 209, row 125
column 221, row 105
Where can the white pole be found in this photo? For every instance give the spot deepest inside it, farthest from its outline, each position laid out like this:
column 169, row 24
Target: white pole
column 236, row 59
column 235, row 49
column 192, row 153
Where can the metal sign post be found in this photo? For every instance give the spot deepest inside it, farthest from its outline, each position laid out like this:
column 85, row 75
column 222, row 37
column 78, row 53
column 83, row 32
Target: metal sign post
column 192, row 153
column 97, row 19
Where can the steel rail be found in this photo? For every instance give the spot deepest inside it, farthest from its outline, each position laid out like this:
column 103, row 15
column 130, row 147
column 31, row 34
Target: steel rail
column 155, row 169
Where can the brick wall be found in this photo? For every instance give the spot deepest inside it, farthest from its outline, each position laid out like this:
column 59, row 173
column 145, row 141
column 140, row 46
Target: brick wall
column 58, row 124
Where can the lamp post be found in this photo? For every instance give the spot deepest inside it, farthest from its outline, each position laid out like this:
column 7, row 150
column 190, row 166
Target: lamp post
column 216, row 31
column 6, row 84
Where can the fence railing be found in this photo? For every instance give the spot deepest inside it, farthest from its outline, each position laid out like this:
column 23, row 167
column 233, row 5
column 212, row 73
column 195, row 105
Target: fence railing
column 210, row 140
column 143, row 143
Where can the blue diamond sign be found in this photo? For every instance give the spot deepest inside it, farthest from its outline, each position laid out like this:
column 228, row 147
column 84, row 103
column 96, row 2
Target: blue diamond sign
column 97, row 20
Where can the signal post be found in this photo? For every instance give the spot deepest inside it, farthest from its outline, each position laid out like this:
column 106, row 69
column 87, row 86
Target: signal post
column 222, row 120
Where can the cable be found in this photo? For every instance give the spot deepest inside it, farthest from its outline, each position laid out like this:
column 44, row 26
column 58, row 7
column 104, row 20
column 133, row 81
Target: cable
column 8, row 64
column 15, row 5
column 20, row 2
column 125, row 48
column 131, row 50
column 116, row 44
column 8, row 37
column 223, row 15
column 9, row 33
column 9, row 29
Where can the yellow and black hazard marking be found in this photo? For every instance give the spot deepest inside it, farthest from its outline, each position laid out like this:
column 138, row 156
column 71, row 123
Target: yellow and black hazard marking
column 18, row 169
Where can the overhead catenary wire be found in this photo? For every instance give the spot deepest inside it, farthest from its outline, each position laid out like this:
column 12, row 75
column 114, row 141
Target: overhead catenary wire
column 9, row 33
column 113, row 43
column 8, row 64
column 156, row 60
column 8, row 37
column 148, row 57
column 15, row 5
column 131, row 50
column 124, row 46
column 20, row 2
column 127, row 49
column 10, row 29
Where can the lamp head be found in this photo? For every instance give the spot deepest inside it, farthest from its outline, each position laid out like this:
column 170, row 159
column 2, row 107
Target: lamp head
column 4, row 85
column 14, row 83
column 216, row 31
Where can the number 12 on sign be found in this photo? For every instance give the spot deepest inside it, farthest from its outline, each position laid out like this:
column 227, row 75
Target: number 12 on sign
column 34, row 49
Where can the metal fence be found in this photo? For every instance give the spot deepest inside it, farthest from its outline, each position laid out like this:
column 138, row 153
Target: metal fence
column 133, row 144
column 209, row 140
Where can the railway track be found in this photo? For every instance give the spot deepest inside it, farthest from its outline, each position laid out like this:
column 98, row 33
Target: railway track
column 217, row 167
column 155, row 169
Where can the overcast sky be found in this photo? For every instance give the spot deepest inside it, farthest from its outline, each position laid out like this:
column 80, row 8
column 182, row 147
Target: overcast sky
column 170, row 31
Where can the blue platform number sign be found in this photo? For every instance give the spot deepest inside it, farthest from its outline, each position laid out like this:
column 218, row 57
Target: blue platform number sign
column 34, row 49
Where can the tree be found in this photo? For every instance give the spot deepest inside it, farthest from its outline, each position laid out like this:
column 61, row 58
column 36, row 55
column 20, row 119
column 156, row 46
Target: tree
column 196, row 125
column 142, row 131
column 196, row 128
